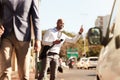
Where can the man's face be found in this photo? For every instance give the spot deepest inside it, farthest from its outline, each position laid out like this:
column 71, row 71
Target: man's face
column 60, row 24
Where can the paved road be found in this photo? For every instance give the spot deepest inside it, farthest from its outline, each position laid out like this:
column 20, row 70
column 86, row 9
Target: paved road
column 77, row 74
column 68, row 74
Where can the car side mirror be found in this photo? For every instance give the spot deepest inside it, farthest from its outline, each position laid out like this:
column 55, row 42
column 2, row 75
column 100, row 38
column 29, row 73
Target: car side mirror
column 94, row 36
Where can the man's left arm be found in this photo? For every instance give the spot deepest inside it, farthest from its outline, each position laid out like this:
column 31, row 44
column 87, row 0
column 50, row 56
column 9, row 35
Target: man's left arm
column 74, row 39
column 35, row 13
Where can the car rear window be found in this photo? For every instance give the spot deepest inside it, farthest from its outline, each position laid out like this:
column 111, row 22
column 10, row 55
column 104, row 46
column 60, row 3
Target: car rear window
column 93, row 59
column 84, row 59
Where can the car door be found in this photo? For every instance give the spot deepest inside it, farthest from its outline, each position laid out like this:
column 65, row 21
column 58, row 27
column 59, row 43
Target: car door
column 109, row 61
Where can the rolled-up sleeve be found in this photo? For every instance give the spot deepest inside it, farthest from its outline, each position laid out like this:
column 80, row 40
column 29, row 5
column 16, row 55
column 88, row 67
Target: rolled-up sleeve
column 46, row 40
column 72, row 40
column 35, row 12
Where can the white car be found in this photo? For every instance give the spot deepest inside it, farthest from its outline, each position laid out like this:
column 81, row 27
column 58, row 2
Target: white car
column 91, row 62
column 80, row 64
column 109, row 60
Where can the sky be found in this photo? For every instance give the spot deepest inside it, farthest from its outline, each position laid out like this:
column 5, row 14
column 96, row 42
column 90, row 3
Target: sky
column 74, row 13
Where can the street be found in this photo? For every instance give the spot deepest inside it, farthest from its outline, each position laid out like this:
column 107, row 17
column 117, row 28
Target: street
column 69, row 74
column 77, row 74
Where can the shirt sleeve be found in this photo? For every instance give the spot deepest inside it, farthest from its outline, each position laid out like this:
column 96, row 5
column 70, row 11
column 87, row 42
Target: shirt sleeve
column 46, row 38
column 35, row 13
column 72, row 40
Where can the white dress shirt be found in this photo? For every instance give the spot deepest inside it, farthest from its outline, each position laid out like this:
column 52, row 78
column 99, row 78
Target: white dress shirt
column 52, row 35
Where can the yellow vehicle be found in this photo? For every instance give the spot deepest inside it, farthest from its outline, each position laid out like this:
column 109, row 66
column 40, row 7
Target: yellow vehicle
column 108, row 67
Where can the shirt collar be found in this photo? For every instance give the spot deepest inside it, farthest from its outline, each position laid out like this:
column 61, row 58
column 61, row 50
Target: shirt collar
column 55, row 29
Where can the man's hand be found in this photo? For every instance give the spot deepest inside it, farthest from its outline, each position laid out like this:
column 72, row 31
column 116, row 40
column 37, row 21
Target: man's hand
column 57, row 42
column 1, row 30
column 37, row 45
column 81, row 30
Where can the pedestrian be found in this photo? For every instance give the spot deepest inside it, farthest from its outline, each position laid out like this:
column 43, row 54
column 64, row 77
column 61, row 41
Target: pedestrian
column 55, row 38
column 15, row 32
column 71, row 63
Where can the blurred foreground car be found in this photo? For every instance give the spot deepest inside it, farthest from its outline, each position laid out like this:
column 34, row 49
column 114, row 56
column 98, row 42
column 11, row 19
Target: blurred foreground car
column 80, row 64
column 109, row 60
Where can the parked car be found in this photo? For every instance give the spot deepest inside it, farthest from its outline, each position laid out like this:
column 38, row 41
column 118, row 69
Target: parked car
column 91, row 62
column 80, row 64
column 108, row 67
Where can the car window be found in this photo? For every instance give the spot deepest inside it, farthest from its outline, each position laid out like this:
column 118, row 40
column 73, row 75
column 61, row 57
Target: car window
column 93, row 59
column 84, row 59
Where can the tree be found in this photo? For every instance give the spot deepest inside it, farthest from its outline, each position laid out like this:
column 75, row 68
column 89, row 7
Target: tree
column 78, row 45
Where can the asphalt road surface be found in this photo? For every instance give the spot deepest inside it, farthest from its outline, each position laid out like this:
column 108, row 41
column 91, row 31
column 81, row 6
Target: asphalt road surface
column 77, row 74
column 68, row 74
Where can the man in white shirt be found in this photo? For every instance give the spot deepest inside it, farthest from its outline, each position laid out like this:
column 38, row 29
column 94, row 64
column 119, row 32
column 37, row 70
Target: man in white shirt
column 55, row 38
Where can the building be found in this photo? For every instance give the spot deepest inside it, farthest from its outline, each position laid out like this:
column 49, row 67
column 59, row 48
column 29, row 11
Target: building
column 102, row 22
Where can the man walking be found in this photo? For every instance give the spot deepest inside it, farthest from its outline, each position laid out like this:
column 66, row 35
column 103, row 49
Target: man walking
column 55, row 38
column 15, row 32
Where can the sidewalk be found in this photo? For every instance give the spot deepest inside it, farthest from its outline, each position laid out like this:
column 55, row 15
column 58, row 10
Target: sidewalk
column 15, row 76
column 32, row 75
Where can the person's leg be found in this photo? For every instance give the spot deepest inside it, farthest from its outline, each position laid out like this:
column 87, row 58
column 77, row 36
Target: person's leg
column 23, row 59
column 54, row 67
column 44, row 66
column 5, row 59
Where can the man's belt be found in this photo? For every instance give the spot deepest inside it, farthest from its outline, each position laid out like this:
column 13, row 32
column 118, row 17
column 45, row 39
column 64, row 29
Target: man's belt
column 52, row 54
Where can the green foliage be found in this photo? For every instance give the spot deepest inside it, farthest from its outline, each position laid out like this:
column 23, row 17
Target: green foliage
column 94, row 50
column 78, row 45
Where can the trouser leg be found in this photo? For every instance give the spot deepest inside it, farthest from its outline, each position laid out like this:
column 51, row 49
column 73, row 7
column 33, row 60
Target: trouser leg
column 23, row 59
column 44, row 66
column 5, row 54
column 53, row 68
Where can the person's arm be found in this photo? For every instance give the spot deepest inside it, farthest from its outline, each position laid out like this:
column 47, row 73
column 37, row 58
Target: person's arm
column 45, row 40
column 1, row 18
column 35, row 14
column 74, row 39
column 1, row 30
